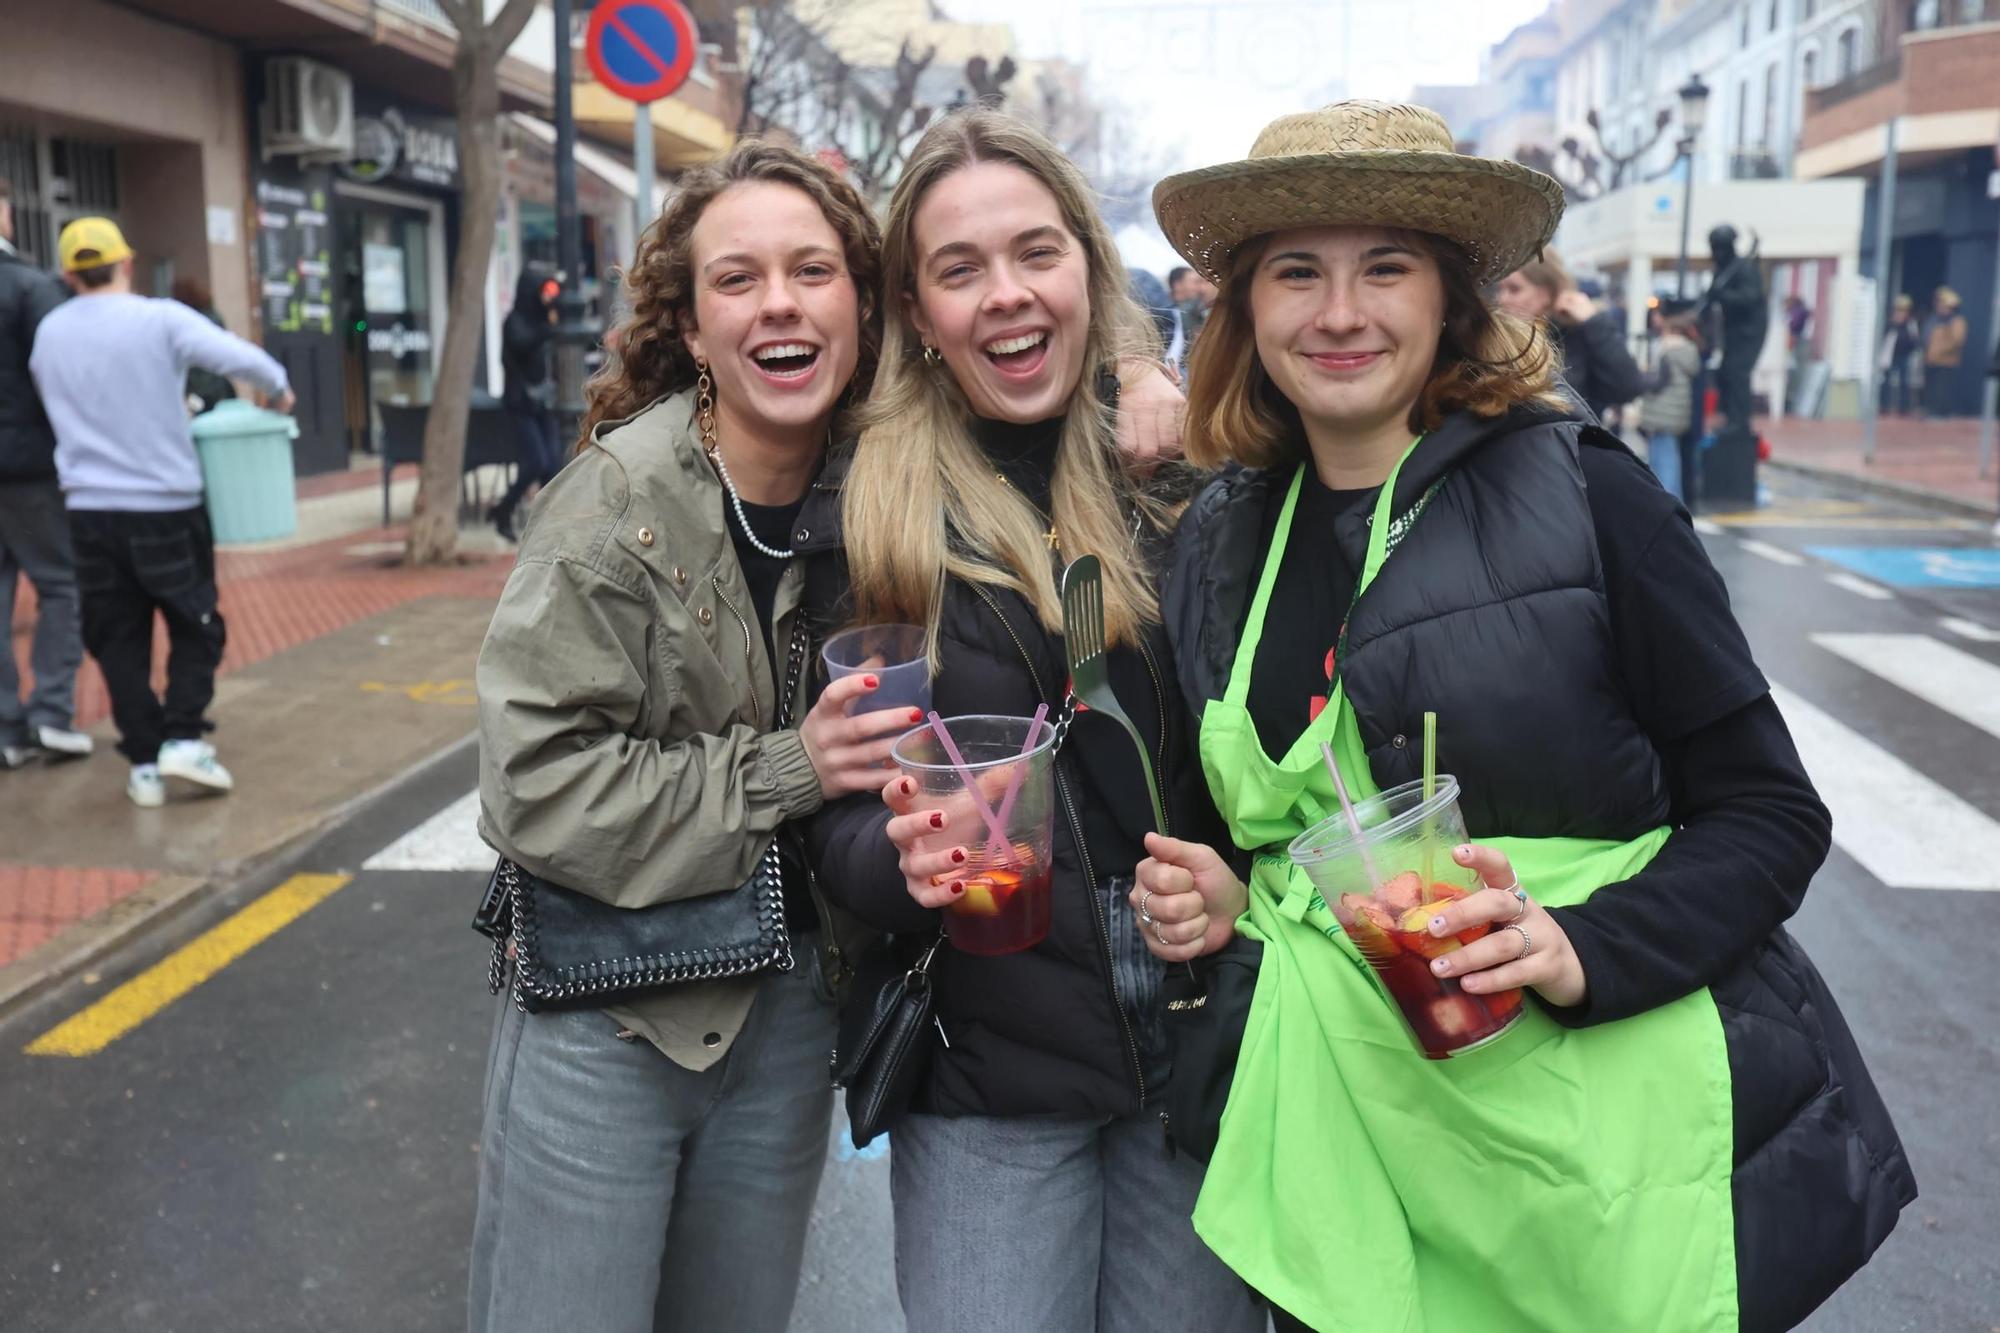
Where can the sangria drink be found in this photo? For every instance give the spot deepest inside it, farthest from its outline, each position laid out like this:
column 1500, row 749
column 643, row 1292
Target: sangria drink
column 1385, row 887
column 1001, row 803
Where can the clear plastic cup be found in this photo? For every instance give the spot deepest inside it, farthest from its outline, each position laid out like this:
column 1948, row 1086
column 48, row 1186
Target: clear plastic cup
column 1384, row 900
column 1006, row 904
column 894, row 654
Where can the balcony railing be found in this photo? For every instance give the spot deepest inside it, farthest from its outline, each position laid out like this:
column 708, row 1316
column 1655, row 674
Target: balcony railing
column 1754, row 164
column 1882, row 72
column 423, row 11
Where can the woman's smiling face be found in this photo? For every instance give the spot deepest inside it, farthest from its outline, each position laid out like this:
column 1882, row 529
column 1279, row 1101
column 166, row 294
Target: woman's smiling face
column 1347, row 321
column 777, row 317
column 1001, row 291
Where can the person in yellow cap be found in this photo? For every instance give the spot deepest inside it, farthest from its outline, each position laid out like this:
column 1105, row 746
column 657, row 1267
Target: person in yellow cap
column 132, row 484
column 1944, row 350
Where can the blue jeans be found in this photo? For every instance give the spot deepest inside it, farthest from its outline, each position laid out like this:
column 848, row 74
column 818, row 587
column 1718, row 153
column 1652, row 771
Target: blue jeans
column 1070, row 1225
column 1663, row 454
column 621, row 1193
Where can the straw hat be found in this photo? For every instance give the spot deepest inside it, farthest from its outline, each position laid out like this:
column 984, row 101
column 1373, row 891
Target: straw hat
column 1363, row 164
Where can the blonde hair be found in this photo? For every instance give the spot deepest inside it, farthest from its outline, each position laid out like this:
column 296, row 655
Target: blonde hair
column 1487, row 362
column 922, row 503
column 1546, row 271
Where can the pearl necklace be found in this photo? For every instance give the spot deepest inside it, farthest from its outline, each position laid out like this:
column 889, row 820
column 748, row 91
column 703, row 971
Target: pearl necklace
column 715, row 457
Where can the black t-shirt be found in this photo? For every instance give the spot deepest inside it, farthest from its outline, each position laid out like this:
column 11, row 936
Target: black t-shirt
column 1749, row 829
column 1682, row 656
column 773, row 525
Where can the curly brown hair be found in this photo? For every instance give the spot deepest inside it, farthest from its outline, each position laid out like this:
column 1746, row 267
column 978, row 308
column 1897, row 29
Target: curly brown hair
column 1488, row 361
column 651, row 359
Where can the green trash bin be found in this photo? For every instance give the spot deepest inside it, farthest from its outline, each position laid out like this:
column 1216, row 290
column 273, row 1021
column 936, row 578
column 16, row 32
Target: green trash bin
column 246, row 469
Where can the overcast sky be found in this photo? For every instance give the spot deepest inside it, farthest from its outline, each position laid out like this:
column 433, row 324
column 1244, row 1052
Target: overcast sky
column 1201, row 77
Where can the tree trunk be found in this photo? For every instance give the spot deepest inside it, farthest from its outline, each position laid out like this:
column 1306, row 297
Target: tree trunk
column 476, row 84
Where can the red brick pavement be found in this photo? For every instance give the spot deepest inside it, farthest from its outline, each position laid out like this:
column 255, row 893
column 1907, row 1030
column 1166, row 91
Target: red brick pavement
column 36, row 902
column 1937, row 457
column 273, row 600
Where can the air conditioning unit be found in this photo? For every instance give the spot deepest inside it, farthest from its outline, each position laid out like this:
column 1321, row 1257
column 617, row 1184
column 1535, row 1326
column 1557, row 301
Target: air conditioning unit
column 308, row 110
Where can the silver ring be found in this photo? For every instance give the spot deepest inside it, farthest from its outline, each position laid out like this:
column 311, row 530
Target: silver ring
column 1526, row 943
column 1520, row 900
column 1158, row 935
column 1146, row 896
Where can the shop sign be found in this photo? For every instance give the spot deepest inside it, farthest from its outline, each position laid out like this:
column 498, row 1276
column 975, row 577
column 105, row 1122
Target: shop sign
column 398, row 146
column 398, row 341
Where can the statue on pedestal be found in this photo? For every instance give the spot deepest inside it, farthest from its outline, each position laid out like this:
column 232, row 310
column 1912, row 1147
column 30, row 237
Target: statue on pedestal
column 1737, row 296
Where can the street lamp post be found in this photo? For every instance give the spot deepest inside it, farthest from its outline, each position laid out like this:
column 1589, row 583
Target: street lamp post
column 1694, row 111
column 572, row 335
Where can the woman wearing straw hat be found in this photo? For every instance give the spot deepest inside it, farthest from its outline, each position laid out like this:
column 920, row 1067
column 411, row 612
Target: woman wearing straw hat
column 1944, row 348
column 1679, row 1133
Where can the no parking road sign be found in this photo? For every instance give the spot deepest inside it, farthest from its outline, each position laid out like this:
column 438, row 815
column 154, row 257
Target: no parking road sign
column 641, row 49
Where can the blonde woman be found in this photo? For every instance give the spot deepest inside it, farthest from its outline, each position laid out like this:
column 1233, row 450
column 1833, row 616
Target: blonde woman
column 1590, row 346
column 1033, row 1186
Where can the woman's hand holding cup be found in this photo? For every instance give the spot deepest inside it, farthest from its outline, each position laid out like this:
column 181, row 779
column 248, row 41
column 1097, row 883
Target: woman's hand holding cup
column 930, row 842
column 1526, row 946
column 1191, row 895
column 850, row 753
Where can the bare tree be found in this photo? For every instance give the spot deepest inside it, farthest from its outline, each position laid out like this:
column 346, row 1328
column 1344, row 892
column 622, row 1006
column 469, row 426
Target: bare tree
column 898, row 116
column 475, row 79
column 792, row 79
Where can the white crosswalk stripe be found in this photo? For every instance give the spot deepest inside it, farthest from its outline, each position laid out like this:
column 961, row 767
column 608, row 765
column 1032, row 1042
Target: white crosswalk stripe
column 1861, row 587
column 1903, row 828
column 1939, row 674
column 1775, row 554
column 1969, row 629
column 448, row 840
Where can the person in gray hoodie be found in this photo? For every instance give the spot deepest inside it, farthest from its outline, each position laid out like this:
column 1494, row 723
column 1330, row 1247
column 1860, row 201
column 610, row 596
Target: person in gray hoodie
column 133, row 487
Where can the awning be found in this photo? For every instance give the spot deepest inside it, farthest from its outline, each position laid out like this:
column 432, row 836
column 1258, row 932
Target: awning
column 595, row 161
column 682, row 134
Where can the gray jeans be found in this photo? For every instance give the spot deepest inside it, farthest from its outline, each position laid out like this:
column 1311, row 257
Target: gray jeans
column 1056, row 1225
column 34, row 540
column 621, row 1193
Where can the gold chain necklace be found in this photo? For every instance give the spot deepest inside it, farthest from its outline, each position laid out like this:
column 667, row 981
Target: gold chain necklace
column 1054, row 542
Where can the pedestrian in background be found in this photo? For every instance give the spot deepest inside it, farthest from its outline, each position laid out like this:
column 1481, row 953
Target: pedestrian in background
column 1193, row 295
column 1944, row 350
column 1590, row 344
column 205, row 388
column 651, row 1165
column 112, row 369
column 1667, row 410
column 34, row 532
column 1032, row 1186
column 528, row 390
column 1900, row 358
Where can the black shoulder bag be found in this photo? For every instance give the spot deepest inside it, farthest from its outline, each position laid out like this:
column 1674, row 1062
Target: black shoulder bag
column 883, row 1045
column 573, row 951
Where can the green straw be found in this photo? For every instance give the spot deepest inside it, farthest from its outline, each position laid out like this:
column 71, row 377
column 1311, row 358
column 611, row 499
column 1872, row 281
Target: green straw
column 1430, row 790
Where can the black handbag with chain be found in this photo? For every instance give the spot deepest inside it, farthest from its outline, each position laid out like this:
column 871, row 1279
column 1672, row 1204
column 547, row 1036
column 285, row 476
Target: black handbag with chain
column 573, row 951
column 883, row 1045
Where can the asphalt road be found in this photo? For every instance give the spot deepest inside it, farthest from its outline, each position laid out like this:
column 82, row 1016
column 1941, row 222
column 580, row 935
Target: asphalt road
column 292, row 1143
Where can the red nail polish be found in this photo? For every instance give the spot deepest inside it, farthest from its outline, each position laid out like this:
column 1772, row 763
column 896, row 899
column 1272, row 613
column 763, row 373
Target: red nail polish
column 937, row 819
column 909, row 787
column 958, row 855
column 957, row 888
column 916, row 715
column 870, row 681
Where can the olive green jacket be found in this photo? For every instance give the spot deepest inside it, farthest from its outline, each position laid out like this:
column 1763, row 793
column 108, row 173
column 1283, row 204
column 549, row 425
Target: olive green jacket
column 626, row 709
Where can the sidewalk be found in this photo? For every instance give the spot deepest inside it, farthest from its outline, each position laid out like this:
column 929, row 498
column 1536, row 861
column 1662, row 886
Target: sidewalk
column 343, row 669
column 1933, row 461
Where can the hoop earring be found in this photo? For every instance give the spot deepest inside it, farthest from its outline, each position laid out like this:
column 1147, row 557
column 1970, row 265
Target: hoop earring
column 932, row 357
column 704, row 406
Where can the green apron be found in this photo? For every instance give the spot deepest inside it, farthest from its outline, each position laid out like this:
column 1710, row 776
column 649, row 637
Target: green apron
column 1552, row 1179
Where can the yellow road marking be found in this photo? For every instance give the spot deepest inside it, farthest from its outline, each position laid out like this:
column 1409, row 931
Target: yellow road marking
column 460, row 692
column 93, row 1029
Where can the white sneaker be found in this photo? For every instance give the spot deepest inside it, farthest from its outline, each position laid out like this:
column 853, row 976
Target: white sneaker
column 194, row 761
column 18, row 756
column 145, row 787
column 64, row 741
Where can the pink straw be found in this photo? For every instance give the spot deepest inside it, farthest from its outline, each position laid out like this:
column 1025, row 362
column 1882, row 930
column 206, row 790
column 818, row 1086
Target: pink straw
column 1020, row 769
column 1353, row 820
column 993, row 826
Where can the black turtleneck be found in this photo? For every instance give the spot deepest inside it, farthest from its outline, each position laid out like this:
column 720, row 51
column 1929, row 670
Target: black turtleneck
column 1024, row 454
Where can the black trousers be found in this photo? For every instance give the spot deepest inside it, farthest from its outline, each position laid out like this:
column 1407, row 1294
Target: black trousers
column 130, row 566
column 540, row 454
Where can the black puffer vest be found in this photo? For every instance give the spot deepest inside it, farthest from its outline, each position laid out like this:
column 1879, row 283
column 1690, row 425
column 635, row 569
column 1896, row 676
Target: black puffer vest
column 1493, row 613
